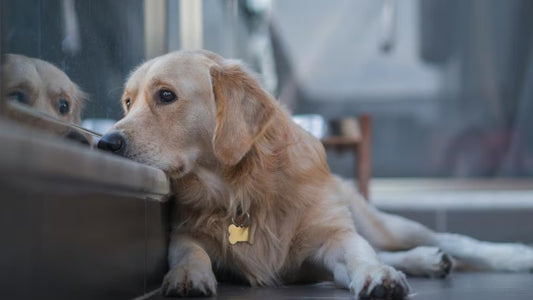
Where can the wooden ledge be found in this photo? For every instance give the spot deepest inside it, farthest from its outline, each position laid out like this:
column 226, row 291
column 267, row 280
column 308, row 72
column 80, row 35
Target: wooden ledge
column 28, row 154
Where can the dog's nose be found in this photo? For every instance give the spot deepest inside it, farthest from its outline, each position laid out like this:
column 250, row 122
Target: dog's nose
column 112, row 142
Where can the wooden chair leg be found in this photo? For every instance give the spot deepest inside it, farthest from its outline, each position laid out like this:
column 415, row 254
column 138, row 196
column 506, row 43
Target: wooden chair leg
column 364, row 158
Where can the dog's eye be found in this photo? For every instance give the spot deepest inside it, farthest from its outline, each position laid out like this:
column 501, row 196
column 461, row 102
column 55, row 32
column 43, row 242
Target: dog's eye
column 128, row 103
column 19, row 97
column 166, row 96
column 63, row 106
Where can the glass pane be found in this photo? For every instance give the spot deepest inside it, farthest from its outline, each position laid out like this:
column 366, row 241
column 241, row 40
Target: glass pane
column 69, row 58
column 447, row 83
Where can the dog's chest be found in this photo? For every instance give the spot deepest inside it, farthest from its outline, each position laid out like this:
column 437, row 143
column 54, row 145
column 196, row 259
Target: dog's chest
column 258, row 259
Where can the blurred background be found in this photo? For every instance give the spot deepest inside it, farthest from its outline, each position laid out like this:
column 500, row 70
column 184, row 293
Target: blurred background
column 449, row 84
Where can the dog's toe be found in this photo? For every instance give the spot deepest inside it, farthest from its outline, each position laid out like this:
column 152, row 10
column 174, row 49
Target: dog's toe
column 392, row 292
column 439, row 265
column 398, row 292
column 445, row 266
column 185, row 282
column 382, row 282
column 379, row 292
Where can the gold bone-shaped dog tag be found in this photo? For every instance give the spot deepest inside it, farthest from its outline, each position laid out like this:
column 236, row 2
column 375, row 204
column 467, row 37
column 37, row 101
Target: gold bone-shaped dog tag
column 238, row 234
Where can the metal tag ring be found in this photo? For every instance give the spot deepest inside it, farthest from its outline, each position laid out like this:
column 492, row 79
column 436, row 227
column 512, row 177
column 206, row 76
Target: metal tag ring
column 243, row 224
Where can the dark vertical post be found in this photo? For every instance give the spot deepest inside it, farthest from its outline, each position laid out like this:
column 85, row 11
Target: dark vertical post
column 364, row 158
column 1, row 55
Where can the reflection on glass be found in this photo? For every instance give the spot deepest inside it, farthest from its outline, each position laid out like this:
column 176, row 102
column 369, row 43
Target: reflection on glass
column 96, row 43
column 41, row 85
column 37, row 93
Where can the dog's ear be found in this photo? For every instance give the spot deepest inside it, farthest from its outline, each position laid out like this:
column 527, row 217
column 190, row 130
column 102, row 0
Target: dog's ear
column 243, row 110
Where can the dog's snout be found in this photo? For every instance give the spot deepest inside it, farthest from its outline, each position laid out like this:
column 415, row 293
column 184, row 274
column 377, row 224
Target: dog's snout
column 112, row 142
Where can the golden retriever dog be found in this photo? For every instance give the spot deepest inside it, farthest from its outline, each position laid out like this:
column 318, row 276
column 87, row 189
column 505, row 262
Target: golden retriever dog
column 255, row 198
column 45, row 88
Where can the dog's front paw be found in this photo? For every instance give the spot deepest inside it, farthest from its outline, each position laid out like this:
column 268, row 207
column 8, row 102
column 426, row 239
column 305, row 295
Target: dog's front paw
column 379, row 282
column 185, row 281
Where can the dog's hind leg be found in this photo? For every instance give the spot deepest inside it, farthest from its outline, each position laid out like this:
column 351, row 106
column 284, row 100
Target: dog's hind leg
column 510, row 257
column 394, row 233
column 420, row 261
column 383, row 231
column 397, row 233
column 414, row 245
column 389, row 232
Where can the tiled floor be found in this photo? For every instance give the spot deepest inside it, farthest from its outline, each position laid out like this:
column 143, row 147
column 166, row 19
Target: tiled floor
column 459, row 286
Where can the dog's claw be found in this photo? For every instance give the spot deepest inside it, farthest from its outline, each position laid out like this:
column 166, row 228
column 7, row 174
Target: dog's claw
column 397, row 292
column 183, row 282
column 445, row 265
column 379, row 292
column 382, row 282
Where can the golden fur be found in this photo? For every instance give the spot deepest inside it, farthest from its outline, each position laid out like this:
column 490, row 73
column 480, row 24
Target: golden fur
column 231, row 150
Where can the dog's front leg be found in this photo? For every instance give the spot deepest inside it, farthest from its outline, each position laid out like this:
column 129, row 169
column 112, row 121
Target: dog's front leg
column 190, row 269
column 356, row 266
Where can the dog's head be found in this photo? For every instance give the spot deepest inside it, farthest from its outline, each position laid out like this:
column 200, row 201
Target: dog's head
column 41, row 85
column 189, row 109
